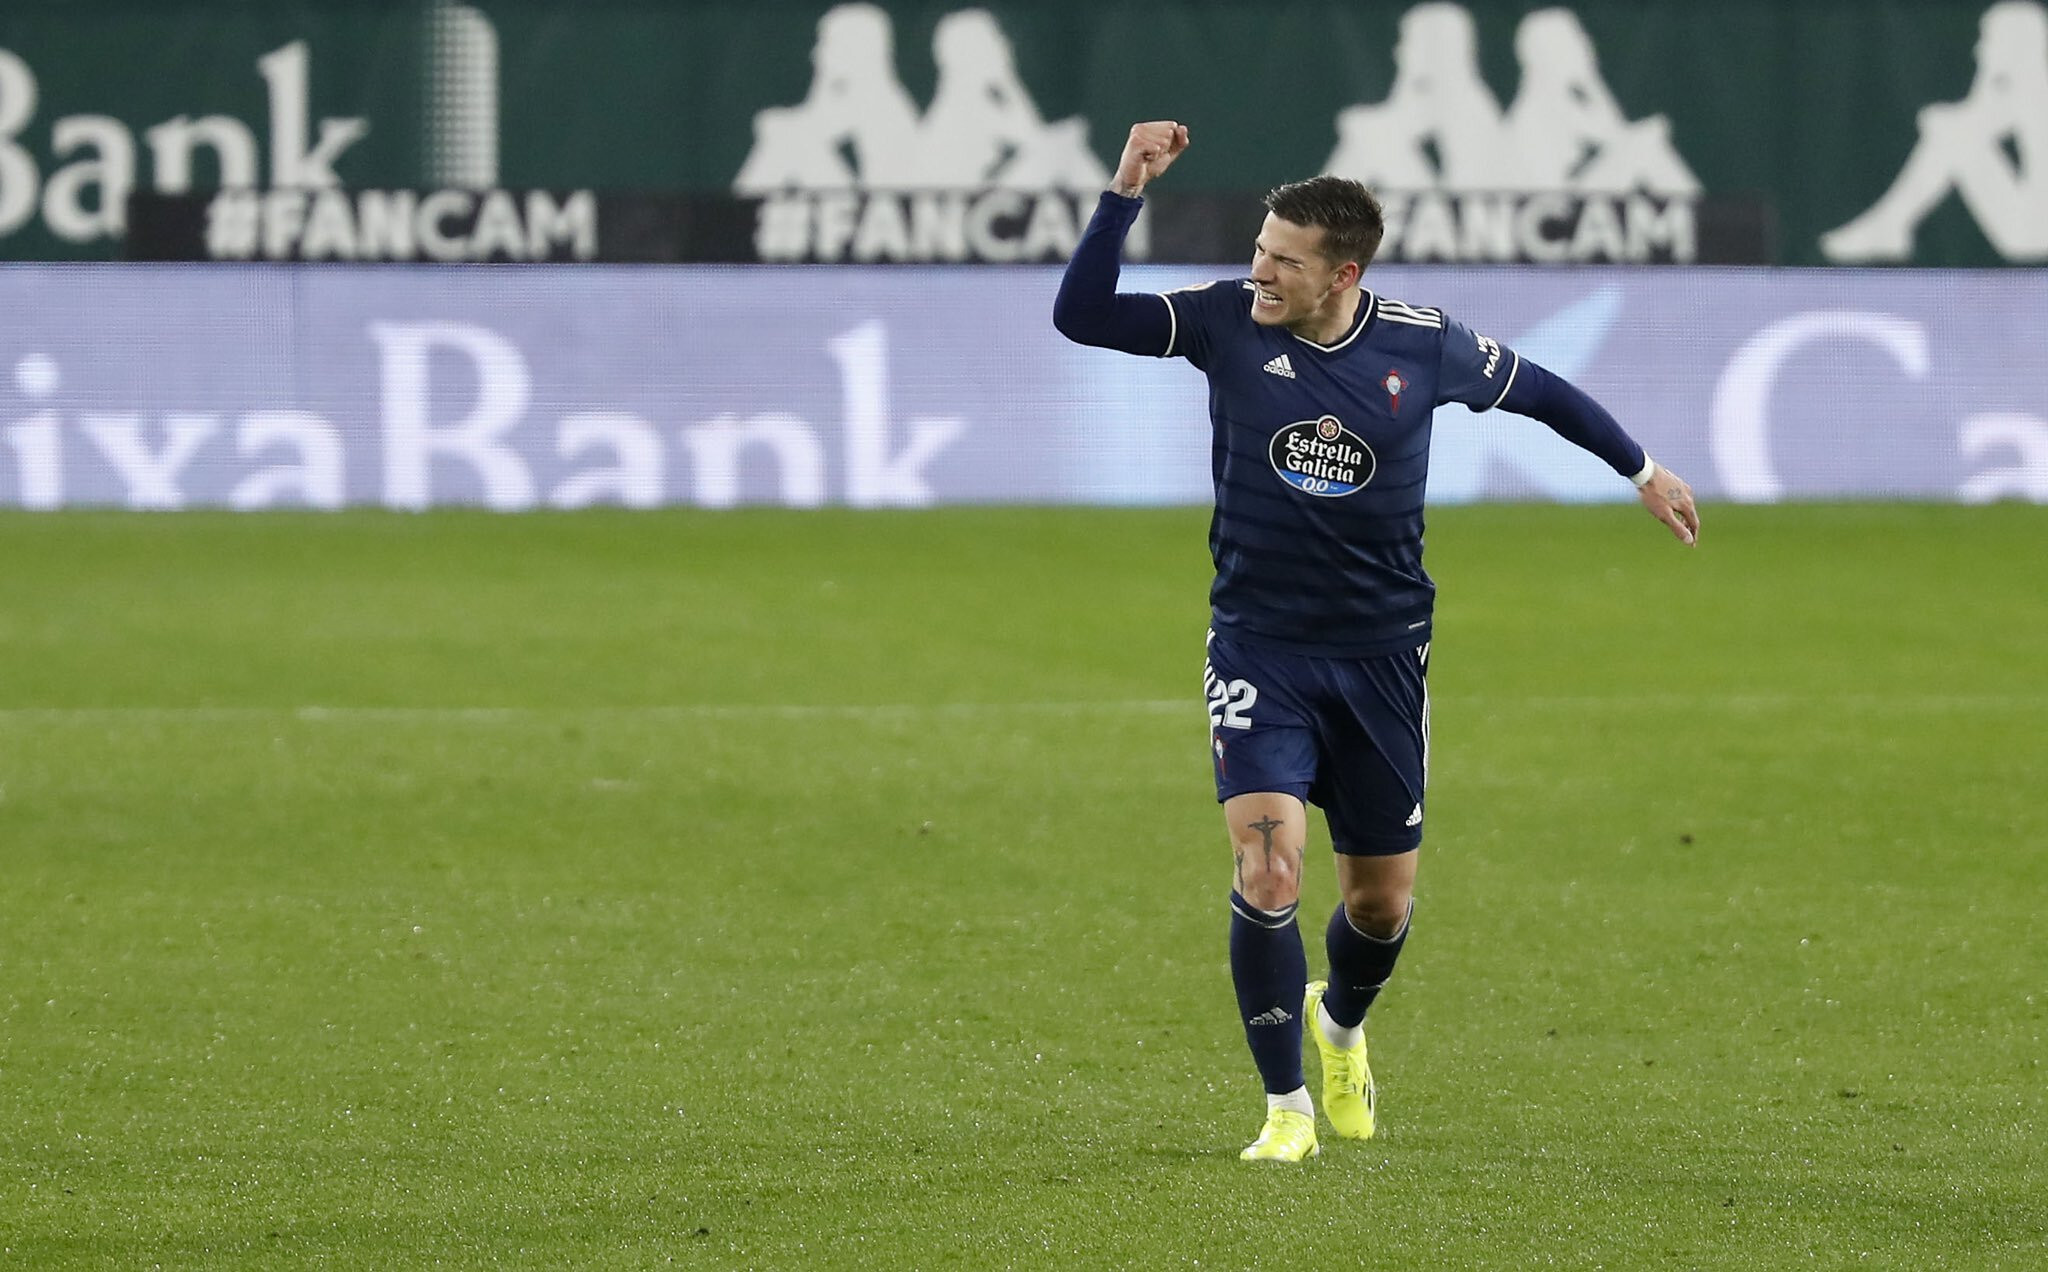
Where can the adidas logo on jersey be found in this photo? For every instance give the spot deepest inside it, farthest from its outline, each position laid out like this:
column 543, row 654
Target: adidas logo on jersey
column 1414, row 818
column 1281, row 366
column 1277, row 1016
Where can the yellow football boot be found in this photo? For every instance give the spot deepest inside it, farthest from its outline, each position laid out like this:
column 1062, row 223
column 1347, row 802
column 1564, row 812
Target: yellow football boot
column 1288, row 1137
column 1348, row 1093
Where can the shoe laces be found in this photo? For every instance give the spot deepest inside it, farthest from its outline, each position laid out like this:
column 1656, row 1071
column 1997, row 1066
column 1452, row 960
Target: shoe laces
column 1348, row 1074
column 1282, row 1124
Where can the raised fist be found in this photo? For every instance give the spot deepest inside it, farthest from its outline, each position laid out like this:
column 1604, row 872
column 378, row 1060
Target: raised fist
column 1150, row 151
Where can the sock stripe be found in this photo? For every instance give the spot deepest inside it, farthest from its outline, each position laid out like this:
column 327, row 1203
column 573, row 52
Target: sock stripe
column 1270, row 919
column 1381, row 940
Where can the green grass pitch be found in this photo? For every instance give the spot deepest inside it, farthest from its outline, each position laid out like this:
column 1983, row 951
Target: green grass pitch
column 774, row 890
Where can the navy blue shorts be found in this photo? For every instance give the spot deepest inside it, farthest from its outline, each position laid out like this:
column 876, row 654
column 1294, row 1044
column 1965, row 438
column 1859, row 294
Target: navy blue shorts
column 1349, row 735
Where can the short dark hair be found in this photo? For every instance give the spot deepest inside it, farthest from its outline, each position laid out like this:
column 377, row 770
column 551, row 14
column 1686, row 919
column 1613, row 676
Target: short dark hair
column 1350, row 217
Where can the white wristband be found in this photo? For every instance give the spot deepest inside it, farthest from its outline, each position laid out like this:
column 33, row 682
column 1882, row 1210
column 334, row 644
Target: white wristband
column 1642, row 478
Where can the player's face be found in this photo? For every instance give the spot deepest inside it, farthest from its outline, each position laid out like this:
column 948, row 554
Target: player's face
column 1297, row 284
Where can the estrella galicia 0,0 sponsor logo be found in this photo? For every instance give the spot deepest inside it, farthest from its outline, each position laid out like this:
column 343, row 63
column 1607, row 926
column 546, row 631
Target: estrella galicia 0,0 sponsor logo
column 1323, row 458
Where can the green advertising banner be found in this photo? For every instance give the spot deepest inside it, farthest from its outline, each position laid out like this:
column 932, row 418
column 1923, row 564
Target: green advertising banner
column 1795, row 131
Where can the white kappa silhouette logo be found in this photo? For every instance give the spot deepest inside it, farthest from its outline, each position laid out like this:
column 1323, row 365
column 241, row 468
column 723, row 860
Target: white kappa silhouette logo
column 1962, row 148
column 858, row 128
column 1441, row 128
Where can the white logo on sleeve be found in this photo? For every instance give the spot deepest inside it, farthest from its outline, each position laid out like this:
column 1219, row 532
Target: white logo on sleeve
column 1414, row 818
column 1491, row 348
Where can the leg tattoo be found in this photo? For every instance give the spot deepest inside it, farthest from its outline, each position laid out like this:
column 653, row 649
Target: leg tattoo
column 1266, row 826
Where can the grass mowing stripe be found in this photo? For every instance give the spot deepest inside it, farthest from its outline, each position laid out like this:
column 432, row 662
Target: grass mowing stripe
column 1907, row 702
column 488, row 715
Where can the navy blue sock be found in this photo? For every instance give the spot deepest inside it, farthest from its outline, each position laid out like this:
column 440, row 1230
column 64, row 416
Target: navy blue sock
column 1270, row 970
column 1359, row 966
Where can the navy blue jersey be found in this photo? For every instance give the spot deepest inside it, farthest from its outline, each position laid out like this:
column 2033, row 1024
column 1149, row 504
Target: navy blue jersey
column 1321, row 451
column 1320, row 458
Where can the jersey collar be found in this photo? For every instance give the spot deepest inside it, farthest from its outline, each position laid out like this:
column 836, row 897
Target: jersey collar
column 1368, row 306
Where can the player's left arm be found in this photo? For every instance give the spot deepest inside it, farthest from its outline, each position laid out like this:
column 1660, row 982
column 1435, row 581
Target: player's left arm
column 1572, row 414
column 1483, row 374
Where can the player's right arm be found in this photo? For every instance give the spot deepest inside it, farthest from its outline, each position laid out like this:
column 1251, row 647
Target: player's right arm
column 1089, row 310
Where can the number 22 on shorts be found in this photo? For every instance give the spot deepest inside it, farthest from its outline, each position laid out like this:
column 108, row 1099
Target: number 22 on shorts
column 1230, row 702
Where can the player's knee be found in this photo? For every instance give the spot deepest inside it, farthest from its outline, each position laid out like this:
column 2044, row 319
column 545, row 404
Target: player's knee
column 1269, row 881
column 1377, row 912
